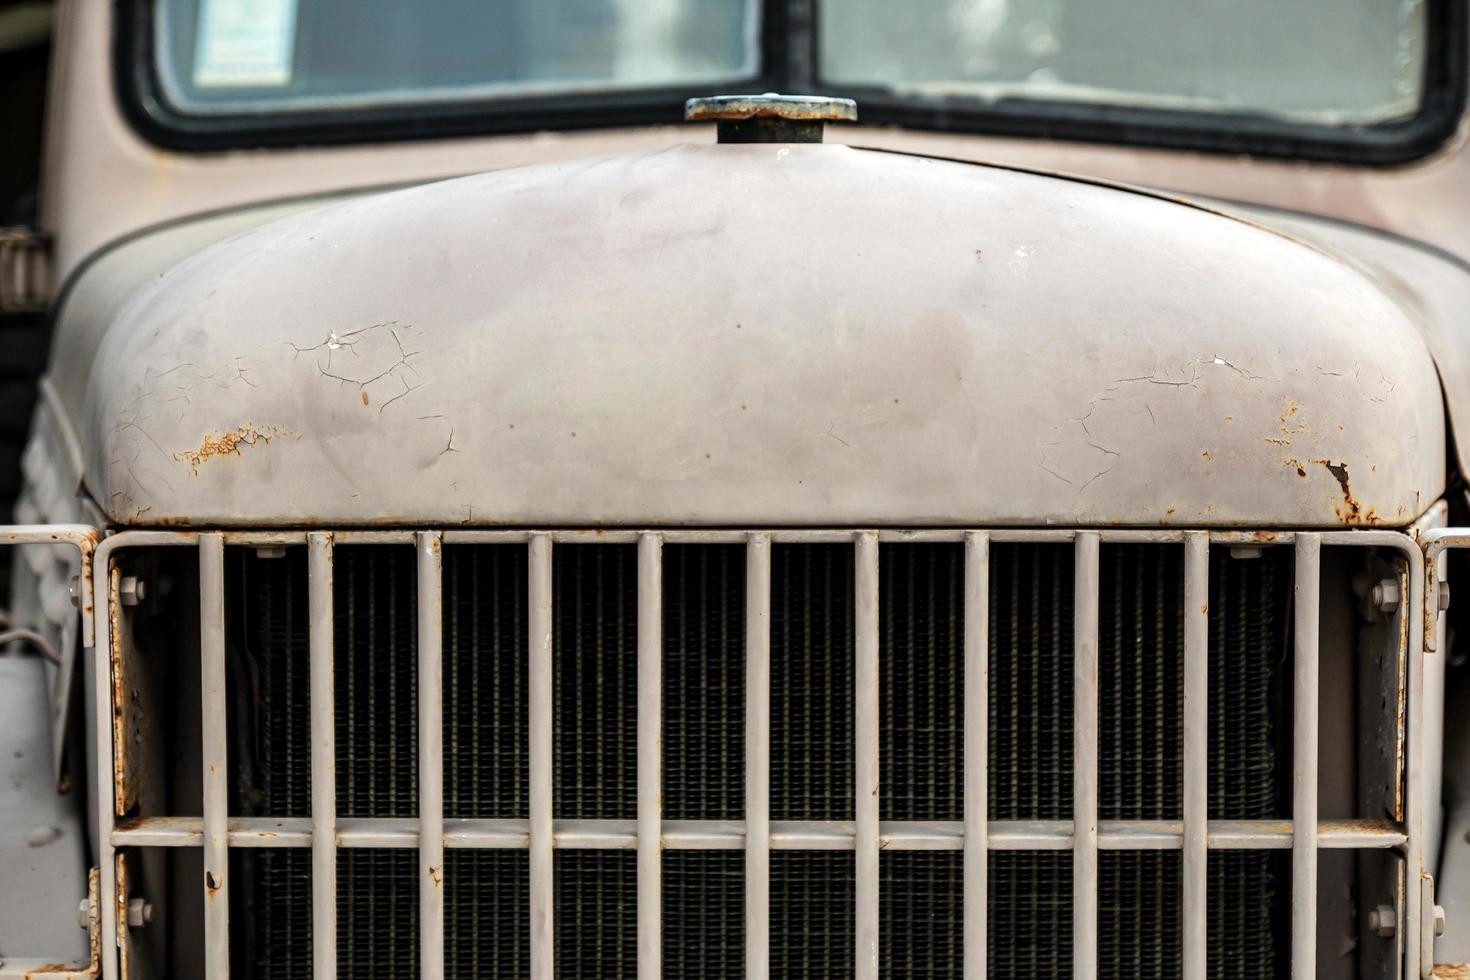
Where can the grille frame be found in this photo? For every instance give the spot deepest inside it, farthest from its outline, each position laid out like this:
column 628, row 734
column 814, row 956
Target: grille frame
column 215, row 833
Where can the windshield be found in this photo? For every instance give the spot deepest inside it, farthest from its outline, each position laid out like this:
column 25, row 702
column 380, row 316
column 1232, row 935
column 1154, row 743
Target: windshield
column 225, row 55
column 1330, row 62
column 1376, row 81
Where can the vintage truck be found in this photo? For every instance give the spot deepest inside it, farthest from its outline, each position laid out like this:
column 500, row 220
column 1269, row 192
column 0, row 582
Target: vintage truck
column 477, row 523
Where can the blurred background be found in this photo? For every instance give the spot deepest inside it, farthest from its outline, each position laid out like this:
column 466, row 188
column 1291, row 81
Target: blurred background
column 25, row 50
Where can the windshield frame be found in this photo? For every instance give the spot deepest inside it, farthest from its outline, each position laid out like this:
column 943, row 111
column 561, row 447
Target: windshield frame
column 787, row 62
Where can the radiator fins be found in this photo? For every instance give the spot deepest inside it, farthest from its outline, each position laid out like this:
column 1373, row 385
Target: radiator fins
column 812, row 646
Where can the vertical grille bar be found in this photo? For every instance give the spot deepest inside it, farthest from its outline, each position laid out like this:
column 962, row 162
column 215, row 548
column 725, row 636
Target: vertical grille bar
column 865, row 731
column 757, row 756
column 977, row 748
column 1304, row 758
column 1196, row 750
column 430, row 548
column 104, row 588
column 1084, row 754
column 539, row 755
column 216, row 764
column 323, row 759
column 650, row 755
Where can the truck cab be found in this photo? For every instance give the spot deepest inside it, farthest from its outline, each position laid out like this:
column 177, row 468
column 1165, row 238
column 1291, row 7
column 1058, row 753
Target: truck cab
column 743, row 488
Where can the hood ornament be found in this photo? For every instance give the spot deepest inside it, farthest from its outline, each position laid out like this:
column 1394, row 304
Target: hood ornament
column 770, row 118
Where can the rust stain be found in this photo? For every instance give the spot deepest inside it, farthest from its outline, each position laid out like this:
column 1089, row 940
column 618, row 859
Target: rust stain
column 211, row 884
column 436, row 875
column 1352, row 510
column 364, row 396
column 115, row 658
column 1278, row 442
column 1206, row 455
column 218, row 445
column 1290, row 421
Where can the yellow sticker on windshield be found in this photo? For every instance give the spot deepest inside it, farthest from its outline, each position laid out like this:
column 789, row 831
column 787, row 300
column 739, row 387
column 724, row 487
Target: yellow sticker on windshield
column 244, row 43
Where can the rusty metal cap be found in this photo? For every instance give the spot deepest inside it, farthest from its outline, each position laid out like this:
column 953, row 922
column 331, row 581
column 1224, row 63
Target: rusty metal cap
column 770, row 118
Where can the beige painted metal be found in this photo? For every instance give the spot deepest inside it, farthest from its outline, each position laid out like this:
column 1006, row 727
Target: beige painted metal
column 539, row 755
column 430, row 552
column 757, row 831
column 650, row 755
column 215, row 738
column 1305, row 727
column 977, row 750
column 402, row 833
column 1196, row 752
column 320, row 616
column 427, row 392
column 865, row 754
column 1084, row 756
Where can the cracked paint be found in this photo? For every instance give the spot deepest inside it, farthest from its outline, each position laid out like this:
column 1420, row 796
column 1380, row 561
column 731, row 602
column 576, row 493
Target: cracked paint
column 217, row 445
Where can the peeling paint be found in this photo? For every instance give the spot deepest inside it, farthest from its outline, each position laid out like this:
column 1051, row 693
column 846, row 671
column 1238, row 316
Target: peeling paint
column 1351, row 510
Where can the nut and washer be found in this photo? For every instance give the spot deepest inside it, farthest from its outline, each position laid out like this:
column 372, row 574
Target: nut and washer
column 140, row 913
column 1385, row 595
column 1383, row 920
column 131, row 590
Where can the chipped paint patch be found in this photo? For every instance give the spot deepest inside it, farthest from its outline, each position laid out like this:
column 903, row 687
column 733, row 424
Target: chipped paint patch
column 219, row 444
column 1351, row 510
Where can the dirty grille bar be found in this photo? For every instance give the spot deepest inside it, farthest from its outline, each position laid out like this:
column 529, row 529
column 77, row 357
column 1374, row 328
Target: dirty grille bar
column 860, row 829
column 323, row 759
column 977, row 749
column 431, row 754
column 1304, row 767
column 215, row 738
column 539, row 831
column 1196, row 750
column 650, row 753
column 757, row 756
column 1084, row 756
column 866, row 737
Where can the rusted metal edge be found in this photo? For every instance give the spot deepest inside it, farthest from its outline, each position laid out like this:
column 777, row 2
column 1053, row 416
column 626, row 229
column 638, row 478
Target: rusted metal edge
column 800, row 108
column 788, row 535
column 1435, row 543
column 84, row 538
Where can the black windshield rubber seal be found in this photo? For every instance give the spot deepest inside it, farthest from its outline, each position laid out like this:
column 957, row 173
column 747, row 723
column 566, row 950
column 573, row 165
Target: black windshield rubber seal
column 788, row 56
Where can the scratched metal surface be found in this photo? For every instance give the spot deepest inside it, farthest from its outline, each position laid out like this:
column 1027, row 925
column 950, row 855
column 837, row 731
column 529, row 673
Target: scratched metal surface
column 783, row 335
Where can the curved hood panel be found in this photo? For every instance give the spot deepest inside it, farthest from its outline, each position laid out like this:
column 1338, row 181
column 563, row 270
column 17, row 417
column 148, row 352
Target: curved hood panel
column 764, row 335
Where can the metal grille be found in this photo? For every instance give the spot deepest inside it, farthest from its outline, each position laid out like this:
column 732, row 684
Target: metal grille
column 811, row 876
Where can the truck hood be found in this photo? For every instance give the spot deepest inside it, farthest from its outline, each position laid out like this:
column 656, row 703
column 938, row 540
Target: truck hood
column 764, row 334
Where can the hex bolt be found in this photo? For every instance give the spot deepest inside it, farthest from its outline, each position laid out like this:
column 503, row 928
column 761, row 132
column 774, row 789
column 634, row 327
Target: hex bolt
column 1439, row 920
column 271, row 551
column 1385, row 596
column 74, row 591
column 84, row 914
column 1244, row 551
column 1444, row 596
column 1383, row 920
column 140, row 913
column 131, row 590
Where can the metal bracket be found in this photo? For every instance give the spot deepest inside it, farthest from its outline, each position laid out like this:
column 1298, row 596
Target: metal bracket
column 91, row 920
column 25, row 271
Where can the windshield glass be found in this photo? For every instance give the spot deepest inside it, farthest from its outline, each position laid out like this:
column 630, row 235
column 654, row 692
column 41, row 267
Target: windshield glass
column 229, row 55
column 1327, row 62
